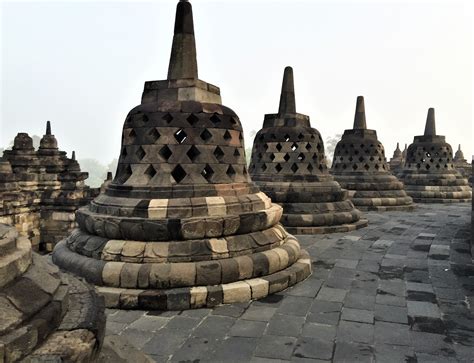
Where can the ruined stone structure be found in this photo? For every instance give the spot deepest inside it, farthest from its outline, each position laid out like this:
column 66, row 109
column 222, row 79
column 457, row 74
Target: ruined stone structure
column 45, row 315
column 289, row 165
column 41, row 190
column 429, row 174
column 461, row 164
column 359, row 164
column 397, row 161
column 182, row 225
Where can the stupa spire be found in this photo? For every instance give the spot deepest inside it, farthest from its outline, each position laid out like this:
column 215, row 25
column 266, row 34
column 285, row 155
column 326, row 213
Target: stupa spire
column 183, row 63
column 398, row 146
column 359, row 118
column 430, row 127
column 287, row 97
column 48, row 128
column 73, row 157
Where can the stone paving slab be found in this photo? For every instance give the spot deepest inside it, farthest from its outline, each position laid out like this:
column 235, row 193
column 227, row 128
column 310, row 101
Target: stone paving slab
column 396, row 291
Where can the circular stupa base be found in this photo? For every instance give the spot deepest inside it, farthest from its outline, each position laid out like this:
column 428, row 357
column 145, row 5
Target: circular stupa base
column 47, row 315
column 342, row 228
column 439, row 200
column 387, row 208
column 207, row 296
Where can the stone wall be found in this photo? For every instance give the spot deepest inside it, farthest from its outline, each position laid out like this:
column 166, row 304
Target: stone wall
column 40, row 190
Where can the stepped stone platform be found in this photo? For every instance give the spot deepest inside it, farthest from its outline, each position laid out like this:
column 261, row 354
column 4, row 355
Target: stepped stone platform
column 288, row 164
column 430, row 174
column 40, row 190
column 400, row 290
column 359, row 165
column 45, row 315
column 182, row 225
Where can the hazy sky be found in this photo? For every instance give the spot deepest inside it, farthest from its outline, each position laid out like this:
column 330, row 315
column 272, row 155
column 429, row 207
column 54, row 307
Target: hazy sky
column 82, row 65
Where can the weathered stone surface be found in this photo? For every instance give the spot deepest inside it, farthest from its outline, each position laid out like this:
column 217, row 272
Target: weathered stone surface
column 40, row 304
column 40, row 190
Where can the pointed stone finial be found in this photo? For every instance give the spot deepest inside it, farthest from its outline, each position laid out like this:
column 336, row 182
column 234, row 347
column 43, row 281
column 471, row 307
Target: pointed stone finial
column 48, row 128
column 183, row 63
column 287, row 97
column 109, row 175
column 430, row 127
column 459, row 147
column 359, row 118
column 398, row 146
column 73, row 155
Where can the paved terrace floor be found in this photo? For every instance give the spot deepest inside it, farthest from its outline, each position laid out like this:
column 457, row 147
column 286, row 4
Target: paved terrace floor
column 400, row 290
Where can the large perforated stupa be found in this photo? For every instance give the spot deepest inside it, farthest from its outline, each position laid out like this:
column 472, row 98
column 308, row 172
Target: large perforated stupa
column 359, row 164
column 429, row 174
column 289, row 164
column 182, row 225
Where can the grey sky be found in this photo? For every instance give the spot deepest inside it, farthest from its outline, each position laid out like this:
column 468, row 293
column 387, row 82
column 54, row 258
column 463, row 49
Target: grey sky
column 82, row 65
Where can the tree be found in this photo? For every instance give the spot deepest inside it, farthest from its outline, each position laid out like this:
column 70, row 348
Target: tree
column 331, row 143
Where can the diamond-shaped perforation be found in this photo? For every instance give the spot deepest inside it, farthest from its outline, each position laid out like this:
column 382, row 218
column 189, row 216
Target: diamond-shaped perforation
column 168, row 118
column 132, row 135
column 287, row 137
column 165, row 152
column 301, row 157
column 193, row 153
column 286, row 157
column 265, row 147
column 236, row 152
column 192, row 119
column 150, row 171
column 140, row 153
column 230, row 172
column 227, row 135
column 218, row 153
column 278, row 168
column 279, row 147
column 294, row 168
column 308, row 146
column 125, row 174
column 124, row 152
column 206, row 135
column 272, row 156
column 294, row 146
column 154, row 134
column 207, row 172
column 215, row 119
column 310, row 168
column 178, row 173
column 180, row 136
column 233, row 121
column 264, row 167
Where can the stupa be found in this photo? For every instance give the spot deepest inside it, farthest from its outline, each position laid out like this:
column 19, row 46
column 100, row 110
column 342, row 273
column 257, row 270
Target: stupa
column 397, row 160
column 45, row 315
column 182, row 225
column 50, row 188
column 461, row 164
column 289, row 165
column 429, row 173
column 359, row 165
